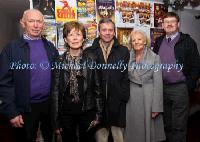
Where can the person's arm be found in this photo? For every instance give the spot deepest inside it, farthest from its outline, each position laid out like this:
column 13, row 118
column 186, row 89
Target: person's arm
column 125, row 83
column 157, row 104
column 7, row 87
column 193, row 61
column 98, row 95
column 55, row 92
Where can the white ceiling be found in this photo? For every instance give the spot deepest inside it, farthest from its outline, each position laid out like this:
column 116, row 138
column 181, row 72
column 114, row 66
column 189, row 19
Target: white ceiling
column 14, row 8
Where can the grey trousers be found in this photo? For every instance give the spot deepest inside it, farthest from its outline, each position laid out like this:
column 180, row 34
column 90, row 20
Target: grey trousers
column 176, row 108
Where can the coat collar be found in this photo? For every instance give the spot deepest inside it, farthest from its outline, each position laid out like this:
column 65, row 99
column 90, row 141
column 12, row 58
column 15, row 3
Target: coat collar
column 147, row 59
column 96, row 46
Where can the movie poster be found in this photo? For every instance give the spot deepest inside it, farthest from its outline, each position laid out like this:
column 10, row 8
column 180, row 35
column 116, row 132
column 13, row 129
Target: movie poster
column 154, row 33
column 159, row 12
column 86, row 10
column 91, row 33
column 47, row 7
column 60, row 42
column 123, row 35
column 105, row 9
column 130, row 13
column 50, row 30
column 66, row 10
column 125, row 14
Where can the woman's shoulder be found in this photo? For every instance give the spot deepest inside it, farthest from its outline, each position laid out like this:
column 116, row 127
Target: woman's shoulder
column 151, row 56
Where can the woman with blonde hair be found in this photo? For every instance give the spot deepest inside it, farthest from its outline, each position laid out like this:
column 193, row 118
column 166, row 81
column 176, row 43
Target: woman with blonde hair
column 144, row 122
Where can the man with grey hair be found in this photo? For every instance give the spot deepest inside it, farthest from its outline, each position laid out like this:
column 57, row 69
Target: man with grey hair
column 25, row 80
column 115, row 81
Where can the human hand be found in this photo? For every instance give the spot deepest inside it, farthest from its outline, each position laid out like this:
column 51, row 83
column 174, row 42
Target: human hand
column 58, row 131
column 154, row 114
column 17, row 121
column 93, row 124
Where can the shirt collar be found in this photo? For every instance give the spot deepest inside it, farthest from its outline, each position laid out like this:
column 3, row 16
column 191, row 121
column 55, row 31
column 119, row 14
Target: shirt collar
column 172, row 36
column 25, row 36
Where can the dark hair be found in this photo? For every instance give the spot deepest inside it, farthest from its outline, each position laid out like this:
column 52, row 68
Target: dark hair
column 106, row 20
column 73, row 25
column 172, row 14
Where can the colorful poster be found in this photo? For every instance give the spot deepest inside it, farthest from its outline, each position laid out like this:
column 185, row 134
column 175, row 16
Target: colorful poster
column 60, row 42
column 154, row 33
column 66, row 10
column 123, row 35
column 159, row 12
column 91, row 32
column 130, row 13
column 105, row 9
column 47, row 7
column 50, row 30
column 125, row 13
column 86, row 10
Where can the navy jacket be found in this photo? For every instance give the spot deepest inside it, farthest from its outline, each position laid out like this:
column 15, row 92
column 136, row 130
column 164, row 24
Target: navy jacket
column 15, row 83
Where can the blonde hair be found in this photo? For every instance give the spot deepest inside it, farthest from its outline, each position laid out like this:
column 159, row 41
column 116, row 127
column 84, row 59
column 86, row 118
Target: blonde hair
column 144, row 36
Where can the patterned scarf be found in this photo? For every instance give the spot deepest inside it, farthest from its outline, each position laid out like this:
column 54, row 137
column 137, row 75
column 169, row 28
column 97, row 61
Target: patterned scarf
column 106, row 50
column 74, row 72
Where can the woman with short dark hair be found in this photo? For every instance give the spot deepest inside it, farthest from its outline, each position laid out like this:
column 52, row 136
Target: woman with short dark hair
column 77, row 89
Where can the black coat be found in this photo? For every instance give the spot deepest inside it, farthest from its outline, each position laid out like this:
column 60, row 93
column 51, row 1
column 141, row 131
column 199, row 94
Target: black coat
column 186, row 53
column 115, row 82
column 91, row 91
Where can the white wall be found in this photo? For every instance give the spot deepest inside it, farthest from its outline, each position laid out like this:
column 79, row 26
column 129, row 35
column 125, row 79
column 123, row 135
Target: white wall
column 190, row 25
column 9, row 29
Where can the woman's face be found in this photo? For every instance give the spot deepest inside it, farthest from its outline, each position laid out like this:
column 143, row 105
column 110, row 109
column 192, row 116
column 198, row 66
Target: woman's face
column 74, row 39
column 138, row 41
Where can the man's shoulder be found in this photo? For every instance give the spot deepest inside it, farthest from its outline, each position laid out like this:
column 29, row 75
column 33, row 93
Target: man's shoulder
column 49, row 43
column 160, row 38
column 122, row 49
column 89, row 51
column 185, row 36
column 14, row 44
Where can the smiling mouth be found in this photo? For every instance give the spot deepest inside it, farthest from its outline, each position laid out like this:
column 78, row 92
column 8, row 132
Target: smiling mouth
column 35, row 31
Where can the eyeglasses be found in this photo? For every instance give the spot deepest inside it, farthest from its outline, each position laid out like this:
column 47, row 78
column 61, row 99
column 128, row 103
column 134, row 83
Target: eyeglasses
column 170, row 22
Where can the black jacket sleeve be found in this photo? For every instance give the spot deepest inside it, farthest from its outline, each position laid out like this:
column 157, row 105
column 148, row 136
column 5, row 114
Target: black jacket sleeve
column 125, row 83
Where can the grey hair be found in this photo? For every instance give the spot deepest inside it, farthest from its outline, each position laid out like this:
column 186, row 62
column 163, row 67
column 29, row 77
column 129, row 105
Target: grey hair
column 31, row 10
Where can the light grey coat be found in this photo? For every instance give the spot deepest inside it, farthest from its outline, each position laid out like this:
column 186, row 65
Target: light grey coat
column 146, row 96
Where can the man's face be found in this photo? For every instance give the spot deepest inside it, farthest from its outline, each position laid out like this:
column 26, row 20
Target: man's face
column 33, row 23
column 106, row 32
column 170, row 25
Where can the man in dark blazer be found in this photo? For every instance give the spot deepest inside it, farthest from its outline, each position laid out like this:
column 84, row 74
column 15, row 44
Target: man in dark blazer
column 181, row 64
column 114, row 80
column 25, row 80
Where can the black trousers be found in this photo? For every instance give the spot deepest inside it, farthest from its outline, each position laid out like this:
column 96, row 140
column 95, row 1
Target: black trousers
column 39, row 115
column 75, row 127
column 176, row 108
